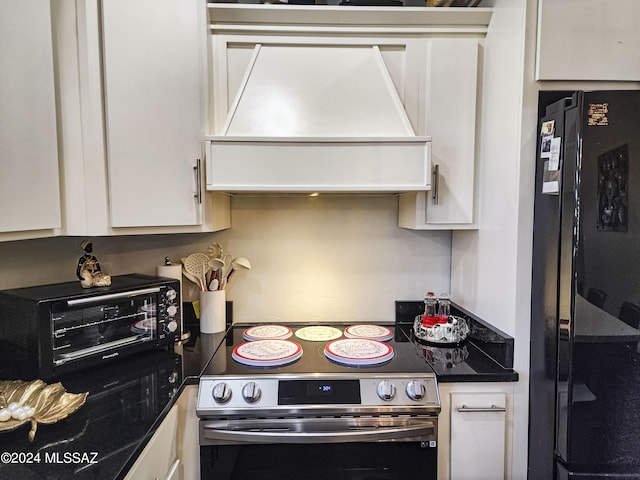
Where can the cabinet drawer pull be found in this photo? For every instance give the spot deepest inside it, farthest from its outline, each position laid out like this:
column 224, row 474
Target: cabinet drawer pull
column 492, row 408
column 198, row 174
column 436, row 183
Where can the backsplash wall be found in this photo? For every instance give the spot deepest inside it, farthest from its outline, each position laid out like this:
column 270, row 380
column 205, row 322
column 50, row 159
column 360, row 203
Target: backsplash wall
column 327, row 258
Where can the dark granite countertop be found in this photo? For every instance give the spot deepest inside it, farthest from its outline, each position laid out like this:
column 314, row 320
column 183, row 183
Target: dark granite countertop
column 128, row 400
column 485, row 356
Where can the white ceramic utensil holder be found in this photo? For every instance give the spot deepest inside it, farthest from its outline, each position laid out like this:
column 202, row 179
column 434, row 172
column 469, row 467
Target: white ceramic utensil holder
column 212, row 311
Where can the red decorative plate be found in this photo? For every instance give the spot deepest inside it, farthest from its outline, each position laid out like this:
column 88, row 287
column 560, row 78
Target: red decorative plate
column 358, row 351
column 267, row 332
column 267, row 353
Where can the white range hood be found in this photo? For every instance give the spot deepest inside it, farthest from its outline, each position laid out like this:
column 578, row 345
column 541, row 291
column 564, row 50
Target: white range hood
column 317, row 117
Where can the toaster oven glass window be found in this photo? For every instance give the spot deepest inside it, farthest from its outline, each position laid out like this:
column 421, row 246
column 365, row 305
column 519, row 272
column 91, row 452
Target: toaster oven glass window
column 95, row 327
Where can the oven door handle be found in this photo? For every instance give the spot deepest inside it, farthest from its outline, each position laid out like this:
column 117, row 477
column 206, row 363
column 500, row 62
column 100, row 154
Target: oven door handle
column 112, row 296
column 303, row 431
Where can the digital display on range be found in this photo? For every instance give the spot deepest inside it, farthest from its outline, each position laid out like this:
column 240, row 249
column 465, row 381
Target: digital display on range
column 305, row 392
column 324, row 389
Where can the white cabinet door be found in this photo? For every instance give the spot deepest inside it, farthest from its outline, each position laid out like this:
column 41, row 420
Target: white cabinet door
column 478, row 432
column 153, row 67
column 188, row 435
column 588, row 40
column 449, row 112
column 159, row 459
column 29, row 177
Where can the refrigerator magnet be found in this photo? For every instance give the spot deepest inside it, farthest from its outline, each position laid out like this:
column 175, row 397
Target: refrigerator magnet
column 554, row 154
column 547, row 128
column 545, row 147
column 550, row 180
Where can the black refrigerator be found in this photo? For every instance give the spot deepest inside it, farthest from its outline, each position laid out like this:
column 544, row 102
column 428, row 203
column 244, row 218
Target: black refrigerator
column 584, row 420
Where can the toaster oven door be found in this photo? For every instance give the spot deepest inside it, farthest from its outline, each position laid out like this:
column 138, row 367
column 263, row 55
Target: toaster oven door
column 103, row 325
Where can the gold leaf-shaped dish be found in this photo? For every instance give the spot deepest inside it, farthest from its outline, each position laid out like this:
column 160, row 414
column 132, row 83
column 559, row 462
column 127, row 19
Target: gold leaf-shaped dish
column 51, row 402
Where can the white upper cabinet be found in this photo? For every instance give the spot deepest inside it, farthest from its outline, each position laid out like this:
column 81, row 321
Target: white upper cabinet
column 29, row 178
column 153, row 52
column 326, row 99
column 449, row 110
column 133, row 101
column 588, row 40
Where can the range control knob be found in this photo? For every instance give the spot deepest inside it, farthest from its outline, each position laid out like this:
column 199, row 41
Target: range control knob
column 172, row 326
column 386, row 390
column 171, row 294
column 251, row 392
column 221, row 392
column 415, row 390
column 172, row 310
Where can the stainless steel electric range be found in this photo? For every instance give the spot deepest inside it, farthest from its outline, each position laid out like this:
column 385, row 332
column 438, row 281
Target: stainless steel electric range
column 334, row 406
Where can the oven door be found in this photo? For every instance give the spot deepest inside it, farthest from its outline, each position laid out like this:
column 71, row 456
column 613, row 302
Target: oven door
column 103, row 325
column 351, row 448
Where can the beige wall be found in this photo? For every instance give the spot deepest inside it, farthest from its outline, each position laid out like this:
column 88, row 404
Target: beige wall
column 314, row 259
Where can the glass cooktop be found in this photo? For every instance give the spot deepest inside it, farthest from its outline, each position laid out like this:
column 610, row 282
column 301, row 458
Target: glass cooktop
column 406, row 358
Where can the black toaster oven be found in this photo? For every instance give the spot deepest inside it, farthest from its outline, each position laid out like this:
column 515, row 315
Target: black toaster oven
column 49, row 330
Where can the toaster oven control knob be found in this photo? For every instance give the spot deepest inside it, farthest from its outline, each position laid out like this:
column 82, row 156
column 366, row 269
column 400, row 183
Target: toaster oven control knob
column 171, row 294
column 386, row 390
column 251, row 392
column 415, row 390
column 172, row 310
column 172, row 326
column 221, row 392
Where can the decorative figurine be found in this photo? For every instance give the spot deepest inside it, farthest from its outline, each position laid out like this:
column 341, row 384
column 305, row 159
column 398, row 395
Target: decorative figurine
column 89, row 272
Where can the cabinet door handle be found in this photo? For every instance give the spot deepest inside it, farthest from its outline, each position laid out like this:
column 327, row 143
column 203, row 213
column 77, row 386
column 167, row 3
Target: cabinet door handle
column 436, row 183
column 492, row 408
column 198, row 173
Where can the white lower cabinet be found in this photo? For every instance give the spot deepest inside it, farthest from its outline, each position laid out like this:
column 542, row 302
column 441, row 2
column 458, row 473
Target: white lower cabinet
column 173, row 453
column 473, row 431
column 188, row 439
column 159, row 459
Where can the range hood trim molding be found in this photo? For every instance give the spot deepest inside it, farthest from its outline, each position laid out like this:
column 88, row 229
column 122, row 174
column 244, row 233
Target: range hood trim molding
column 418, row 140
column 342, row 165
column 227, row 17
